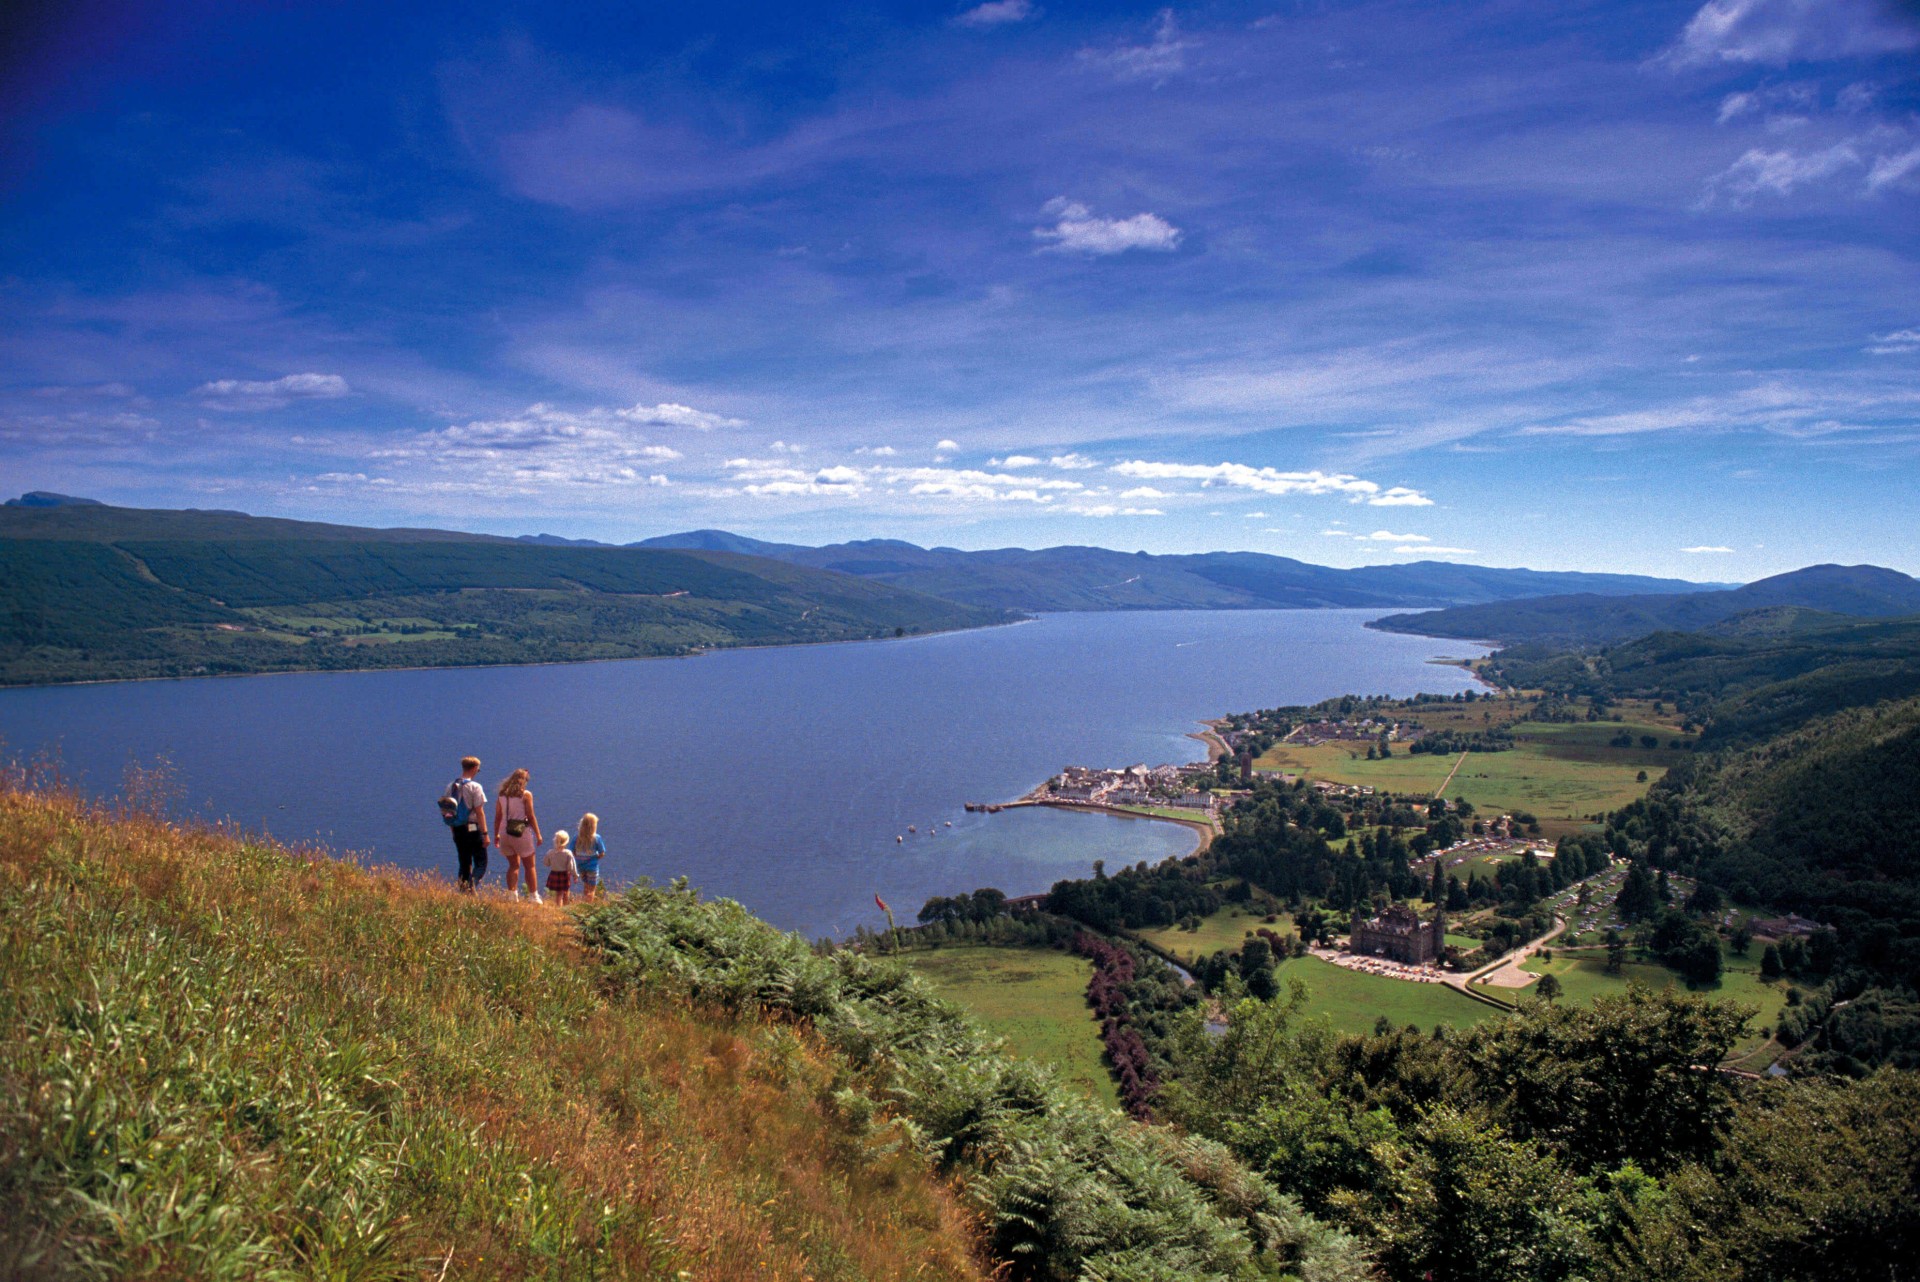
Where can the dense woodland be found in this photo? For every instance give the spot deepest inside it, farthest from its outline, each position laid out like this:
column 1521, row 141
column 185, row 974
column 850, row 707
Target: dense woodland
column 126, row 607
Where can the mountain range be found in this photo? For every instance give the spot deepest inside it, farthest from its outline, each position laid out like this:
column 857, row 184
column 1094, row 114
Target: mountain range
column 1591, row 619
column 1090, row 578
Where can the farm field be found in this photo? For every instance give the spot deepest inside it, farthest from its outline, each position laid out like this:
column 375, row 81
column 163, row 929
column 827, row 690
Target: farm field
column 1035, row 998
column 1353, row 1000
column 1227, row 928
column 1559, row 771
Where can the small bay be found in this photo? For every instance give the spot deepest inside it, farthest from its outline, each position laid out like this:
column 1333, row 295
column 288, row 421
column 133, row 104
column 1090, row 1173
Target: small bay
column 779, row 777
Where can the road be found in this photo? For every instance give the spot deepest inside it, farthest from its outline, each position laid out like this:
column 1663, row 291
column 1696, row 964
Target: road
column 1513, row 958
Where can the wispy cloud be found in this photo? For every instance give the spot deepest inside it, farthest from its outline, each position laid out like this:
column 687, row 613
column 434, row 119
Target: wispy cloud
column 1778, row 32
column 1704, row 547
column 997, row 13
column 1076, row 230
column 1164, row 55
column 1897, row 343
column 1779, row 173
column 249, row 394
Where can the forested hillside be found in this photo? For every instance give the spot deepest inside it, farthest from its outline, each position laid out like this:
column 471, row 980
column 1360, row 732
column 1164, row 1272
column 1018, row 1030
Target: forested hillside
column 1089, row 578
column 104, row 593
column 1587, row 620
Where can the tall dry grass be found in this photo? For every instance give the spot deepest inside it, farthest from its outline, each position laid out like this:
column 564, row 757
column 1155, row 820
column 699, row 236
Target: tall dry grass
column 222, row 1059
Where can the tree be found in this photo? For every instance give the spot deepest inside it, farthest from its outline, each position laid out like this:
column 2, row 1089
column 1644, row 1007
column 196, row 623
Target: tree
column 1638, row 897
column 1616, row 951
column 1613, row 1082
column 1770, row 964
column 1548, row 987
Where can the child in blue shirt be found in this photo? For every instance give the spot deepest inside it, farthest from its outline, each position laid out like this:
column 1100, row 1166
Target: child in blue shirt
column 588, row 850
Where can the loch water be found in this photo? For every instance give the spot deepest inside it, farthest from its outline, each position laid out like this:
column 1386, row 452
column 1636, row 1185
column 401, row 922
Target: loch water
column 778, row 777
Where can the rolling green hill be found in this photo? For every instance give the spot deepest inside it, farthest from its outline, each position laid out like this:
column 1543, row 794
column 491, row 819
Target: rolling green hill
column 100, row 593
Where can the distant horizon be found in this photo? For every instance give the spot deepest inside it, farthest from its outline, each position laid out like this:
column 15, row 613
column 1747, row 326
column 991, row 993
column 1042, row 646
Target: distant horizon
column 1632, row 287
column 83, row 499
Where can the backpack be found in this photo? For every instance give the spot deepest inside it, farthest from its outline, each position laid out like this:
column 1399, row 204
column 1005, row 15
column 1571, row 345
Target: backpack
column 453, row 805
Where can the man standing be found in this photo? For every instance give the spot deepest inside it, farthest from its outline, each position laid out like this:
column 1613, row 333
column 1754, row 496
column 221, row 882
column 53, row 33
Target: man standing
column 469, row 823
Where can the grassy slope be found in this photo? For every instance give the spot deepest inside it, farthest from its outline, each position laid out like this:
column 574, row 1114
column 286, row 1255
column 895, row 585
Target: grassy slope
column 223, row 1061
column 1033, row 997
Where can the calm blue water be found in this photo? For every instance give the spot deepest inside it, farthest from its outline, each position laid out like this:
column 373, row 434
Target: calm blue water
column 778, row 777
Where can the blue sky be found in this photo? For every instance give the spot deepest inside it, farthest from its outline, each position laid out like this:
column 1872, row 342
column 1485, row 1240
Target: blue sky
column 1579, row 286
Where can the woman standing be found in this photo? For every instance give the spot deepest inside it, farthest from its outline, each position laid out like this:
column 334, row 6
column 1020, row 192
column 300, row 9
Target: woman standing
column 516, row 831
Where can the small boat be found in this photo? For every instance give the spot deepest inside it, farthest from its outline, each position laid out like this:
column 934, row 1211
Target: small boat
column 899, row 838
column 911, row 828
column 949, row 823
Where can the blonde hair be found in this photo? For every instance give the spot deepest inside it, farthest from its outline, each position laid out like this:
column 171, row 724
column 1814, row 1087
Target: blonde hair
column 515, row 784
column 560, row 840
column 589, row 825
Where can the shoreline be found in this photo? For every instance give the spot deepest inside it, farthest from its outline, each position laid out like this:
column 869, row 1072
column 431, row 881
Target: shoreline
column 698, row 653
column 1203, row 830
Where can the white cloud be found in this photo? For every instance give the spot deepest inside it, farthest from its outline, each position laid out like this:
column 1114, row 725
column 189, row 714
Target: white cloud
column 670, row 415
column 1072, row 462
column 781, row 447
column 1162, row 56
column 878, row 451
column 997, row 13
column 1077, row 231
column 1253, row 516
column 1794, row 97
column 947, row 447
column 1777, row 32
column 1267, row 480
column 1399, row 496
column 1760, row 171
column 1013, row 461
column 1142, row 492
column 1893, row 170
column 1706, row 548
column 249, row 394
column 1388, row 536
column 1110, row 509
column 1897, row 343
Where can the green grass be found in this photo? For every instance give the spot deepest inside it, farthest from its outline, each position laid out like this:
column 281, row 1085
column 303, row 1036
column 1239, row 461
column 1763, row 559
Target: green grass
column 1353, row 1000
column 227, row 1062
column 1227, row 928
column 1035, row 998
column 1583, row 978
column 1559, row 771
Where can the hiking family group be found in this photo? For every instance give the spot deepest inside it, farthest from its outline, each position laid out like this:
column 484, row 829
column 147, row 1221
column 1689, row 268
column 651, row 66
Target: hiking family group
column 515, row 833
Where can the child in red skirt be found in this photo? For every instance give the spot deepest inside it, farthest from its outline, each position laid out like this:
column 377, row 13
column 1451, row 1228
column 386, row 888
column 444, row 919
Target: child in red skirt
column 562, row 871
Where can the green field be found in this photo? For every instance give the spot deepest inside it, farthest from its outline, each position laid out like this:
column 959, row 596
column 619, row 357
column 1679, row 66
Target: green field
column 1583, row 977
column 1560, row 771
column 1227, row 928
column 1353, row 1000
column 1035, row 998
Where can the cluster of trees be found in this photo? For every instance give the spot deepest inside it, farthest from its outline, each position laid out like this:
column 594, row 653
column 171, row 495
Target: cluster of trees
column 1137, row 897
column 1252, row 965
column 1130, row 997
column 1448, row 742
column 1562, row 1143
